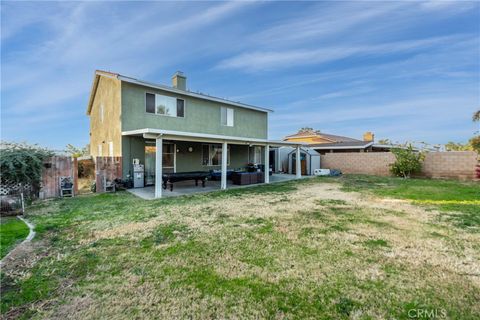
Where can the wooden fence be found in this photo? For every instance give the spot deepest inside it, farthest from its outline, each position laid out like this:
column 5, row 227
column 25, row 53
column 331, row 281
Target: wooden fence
column 107, row 169
column 54, row 168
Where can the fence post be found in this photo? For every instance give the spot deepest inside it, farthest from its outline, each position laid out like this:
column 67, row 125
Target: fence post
column 75, row 176
column 23, row 203
column 97, row 175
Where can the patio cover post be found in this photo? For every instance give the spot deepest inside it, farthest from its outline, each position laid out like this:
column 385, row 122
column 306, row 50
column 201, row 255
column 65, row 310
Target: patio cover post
column 224, row 166
column 298, row 169
column 267, row 163
column 158, row 167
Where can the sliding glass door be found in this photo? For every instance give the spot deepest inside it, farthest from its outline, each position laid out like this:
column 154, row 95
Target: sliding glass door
column 150, row 165
column 168, row 160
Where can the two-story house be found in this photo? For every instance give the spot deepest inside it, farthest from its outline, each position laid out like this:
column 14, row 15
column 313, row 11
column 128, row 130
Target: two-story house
column 171, row 129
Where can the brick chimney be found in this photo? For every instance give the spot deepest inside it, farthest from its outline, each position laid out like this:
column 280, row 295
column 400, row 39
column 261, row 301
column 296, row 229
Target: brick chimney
column 368, row 136
column 179, row 81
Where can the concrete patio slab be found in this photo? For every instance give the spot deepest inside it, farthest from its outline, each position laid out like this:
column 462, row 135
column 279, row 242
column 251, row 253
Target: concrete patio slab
column 188, row 187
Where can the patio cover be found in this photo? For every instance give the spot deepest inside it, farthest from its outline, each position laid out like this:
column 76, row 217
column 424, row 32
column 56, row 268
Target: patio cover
column 159, row 135
column 149, row 133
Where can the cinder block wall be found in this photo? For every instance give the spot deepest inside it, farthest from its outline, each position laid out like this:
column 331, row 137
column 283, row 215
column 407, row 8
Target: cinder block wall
column 459, row 164
column 455, row 164
column 376, row 163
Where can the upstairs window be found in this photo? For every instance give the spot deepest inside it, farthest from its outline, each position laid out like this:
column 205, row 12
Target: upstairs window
column 150, row 103
column 180, row 108
column 164, row 105
column 226, row 116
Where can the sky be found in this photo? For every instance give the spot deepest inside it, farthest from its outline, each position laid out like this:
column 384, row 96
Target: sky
column 407, row 71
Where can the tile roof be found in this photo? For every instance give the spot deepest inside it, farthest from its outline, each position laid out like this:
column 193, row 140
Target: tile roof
column 332, row 137
column 338, row 138
column 342, row 144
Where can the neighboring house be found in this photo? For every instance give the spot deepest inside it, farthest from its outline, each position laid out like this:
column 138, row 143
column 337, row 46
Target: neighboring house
column 182, row 130
column 329, row 143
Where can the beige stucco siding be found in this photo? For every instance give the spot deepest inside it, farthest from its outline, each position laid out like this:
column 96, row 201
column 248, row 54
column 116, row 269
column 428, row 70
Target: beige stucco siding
column 106, row 129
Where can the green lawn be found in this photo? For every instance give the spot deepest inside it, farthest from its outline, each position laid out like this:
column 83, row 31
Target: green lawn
column 12, row 231
column 459, row 200
column 310, row 249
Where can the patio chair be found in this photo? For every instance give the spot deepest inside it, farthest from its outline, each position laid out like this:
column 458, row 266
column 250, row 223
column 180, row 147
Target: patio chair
column 66, row 187
column 109, row 185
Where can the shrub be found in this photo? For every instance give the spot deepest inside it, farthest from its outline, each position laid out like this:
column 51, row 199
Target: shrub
column 23, row 163
column 475, row 143
column 407, row 161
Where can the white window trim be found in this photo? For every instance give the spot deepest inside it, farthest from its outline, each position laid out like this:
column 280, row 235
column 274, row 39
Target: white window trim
column 110, row 149
column 174, row 154
column 232, row 118
column 101, row 112
column 174, row 157
column 163, row 115
column 210, row 159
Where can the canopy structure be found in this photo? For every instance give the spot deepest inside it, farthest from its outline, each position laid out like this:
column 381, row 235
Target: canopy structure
column 159, row 135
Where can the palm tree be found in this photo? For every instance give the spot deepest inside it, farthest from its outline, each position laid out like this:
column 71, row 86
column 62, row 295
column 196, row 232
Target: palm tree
column 476, row 116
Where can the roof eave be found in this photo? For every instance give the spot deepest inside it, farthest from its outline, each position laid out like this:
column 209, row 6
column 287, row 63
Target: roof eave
column 93, row 92
column 382, row 146
column 96, row 80
column 192, row 135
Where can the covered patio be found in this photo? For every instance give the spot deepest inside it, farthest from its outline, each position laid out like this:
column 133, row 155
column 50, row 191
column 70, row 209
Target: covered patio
column 188, row 187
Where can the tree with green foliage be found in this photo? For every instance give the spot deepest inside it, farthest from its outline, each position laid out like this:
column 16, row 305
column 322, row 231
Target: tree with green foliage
column 76, row 152
column 22, row 163
column 385, row 141
column 309, row 130
column 408, row 161
column 475, row 143
column 453, row 146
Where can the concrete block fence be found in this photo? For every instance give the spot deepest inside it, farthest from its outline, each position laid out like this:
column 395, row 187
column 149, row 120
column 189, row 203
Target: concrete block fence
column 452, row 164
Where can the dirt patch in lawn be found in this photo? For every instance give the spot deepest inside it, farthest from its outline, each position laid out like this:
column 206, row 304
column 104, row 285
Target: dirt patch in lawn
column 23, row 258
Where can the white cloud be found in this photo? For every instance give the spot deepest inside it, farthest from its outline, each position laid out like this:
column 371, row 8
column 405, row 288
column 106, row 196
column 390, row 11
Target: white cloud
column 47, row 73
column 325, row 21
column 405, row 119
column 38, row 79
column 269, row 60
column 452, row 7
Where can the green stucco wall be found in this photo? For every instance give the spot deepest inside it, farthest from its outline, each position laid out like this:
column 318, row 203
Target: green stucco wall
column 134, row 147
column 201, row 116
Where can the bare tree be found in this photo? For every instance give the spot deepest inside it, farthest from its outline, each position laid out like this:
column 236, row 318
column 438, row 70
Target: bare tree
column 476, row 116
